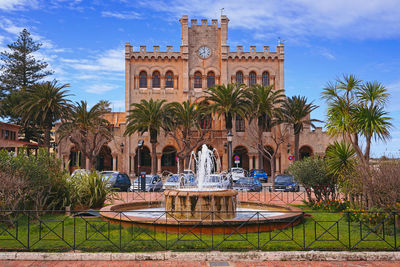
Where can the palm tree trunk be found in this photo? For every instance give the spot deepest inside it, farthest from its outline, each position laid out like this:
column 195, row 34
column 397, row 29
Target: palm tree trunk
column 153, row 158
column 47, row 130
column 296, row 146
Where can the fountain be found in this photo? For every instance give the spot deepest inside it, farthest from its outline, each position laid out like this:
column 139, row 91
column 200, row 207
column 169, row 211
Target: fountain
column 205, row 201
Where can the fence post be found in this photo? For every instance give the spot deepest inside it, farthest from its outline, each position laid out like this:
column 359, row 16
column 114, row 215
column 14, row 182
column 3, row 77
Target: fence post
column 348, row 228
column 29, row 216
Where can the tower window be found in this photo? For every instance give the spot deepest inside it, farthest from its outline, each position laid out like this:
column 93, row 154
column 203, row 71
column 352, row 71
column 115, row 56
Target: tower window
column 265, row 78
column 239, row 77
column 210, row 79
column 239, row 124
column 156, row 79
column 198, row 80
column 252, row 78
column 169, row 80
column 143, row 79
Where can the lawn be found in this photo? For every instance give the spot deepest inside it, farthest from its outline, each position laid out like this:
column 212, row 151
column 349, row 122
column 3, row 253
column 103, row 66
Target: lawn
column 320, row 231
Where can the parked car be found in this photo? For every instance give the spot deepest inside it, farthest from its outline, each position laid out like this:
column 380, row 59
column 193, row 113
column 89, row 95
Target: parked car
column 236, row 173
column 259, row 173
column 172, row 182
column 286, row 183
column 153, row 184
column 214, row 181
column 80, row 172
column 117, row 180
column 247, row 184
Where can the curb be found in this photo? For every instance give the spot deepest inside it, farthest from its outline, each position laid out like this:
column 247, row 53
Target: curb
column 204, row 256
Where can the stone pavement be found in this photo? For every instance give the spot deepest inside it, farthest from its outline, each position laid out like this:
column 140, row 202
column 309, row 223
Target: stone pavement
column 197, row 264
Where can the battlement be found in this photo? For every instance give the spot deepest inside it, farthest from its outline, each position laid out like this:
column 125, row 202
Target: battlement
column 156, row 53
column 253, row 53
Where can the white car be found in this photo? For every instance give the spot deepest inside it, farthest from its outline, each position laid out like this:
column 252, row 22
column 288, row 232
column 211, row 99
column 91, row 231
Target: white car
column 236, row 173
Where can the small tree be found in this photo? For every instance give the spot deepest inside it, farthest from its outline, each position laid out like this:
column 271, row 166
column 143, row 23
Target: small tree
column 313, row 175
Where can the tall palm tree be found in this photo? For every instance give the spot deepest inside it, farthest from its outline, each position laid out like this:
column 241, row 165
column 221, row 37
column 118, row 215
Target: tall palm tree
column 356, row 110
column 181, row 120
column 228, row 100
column 87, row 129
column 147, row 116
column 44, row 104
column 296, row 111
column 264, row 106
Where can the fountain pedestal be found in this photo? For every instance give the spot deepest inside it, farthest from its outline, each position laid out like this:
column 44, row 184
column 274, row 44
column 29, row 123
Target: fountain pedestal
column 205, row 205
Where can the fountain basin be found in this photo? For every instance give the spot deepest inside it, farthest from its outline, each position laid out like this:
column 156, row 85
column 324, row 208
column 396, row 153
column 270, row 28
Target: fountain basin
column 183, row 204
column 134, row 214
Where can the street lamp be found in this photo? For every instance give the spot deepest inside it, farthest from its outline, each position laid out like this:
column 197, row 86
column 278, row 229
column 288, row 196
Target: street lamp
column 140, row 145
column 229, row 138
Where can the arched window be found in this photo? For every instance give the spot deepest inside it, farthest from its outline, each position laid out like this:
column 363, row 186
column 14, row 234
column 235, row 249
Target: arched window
column 265, row 78
column 143, row 79
column 156, row 79
column 239, row 77
column 252, row 78
column 198, row 80
column 169, row 80
column 210, row 79
column 239, row 124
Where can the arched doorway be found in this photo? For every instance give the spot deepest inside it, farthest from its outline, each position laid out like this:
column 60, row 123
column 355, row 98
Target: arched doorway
column 76, row 161
column 305, row 151
column 145, row 160
column 267, row 161
column 241, row 151
column 216, row 165
column 104, row 159
column 168, row 159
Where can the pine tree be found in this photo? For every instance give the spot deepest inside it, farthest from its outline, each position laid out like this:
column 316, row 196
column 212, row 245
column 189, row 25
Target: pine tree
column 19, row 70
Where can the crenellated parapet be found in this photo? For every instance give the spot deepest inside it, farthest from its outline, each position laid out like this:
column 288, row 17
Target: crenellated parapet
column 155, row 54
column 252, row 53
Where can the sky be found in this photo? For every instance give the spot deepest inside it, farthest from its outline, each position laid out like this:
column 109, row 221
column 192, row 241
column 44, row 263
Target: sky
column 83, row 41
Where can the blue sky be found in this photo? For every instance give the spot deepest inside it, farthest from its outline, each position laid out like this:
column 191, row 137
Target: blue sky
column 83, row 41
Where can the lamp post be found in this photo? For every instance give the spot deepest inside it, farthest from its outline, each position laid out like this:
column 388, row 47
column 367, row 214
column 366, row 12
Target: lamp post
column 140, row 145
column 229, row 138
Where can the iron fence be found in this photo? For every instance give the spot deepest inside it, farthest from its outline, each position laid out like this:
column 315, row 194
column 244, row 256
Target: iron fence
column 306, row 230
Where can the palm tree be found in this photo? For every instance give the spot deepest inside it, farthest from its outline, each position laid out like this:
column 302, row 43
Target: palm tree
column 44, row 104
column 296, row 111
column 228, row 100
column 356, row 109
column 147, row 116
column 264, row 106
column 180, row 122
column 87, row 129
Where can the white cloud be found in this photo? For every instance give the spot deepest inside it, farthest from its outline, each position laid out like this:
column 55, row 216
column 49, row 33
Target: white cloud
column 11, row 5
column 110, row 60
column 121, row 15
column 118, row 105
column 100, row 88
column 296, row 19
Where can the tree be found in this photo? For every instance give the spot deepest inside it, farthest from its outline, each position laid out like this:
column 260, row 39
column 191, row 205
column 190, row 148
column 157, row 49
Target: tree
column 228, row 100
column 296, row 111
column 264, row 108
column 87, row 129
column 182, row 121
column 20, row 70
column 45, row 103
column 355, row 111
column 147, row 116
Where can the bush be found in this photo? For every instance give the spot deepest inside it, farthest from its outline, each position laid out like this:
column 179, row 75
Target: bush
column 38, row 181
column 89, row 190
column 313, row 175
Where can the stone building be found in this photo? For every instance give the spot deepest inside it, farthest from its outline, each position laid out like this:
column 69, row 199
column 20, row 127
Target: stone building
column 10, row 140
column 203, row 60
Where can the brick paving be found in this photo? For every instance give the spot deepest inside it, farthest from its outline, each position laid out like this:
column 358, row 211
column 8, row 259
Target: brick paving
column 198, row 264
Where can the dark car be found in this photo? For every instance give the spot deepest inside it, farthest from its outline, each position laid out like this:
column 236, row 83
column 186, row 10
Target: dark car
column 259, row 173
column 153, row 184
column 286, row 183
column 247, row 184
column 117, row 180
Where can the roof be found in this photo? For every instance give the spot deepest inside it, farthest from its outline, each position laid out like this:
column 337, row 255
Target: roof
column 116, row 118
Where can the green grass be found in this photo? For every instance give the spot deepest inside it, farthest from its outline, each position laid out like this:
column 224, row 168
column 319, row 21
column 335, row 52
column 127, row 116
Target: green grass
column 320, row 231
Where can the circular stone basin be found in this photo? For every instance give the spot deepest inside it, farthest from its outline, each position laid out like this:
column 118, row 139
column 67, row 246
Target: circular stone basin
column 249, row 217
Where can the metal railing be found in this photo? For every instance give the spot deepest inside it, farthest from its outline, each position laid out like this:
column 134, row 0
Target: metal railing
column 307, row 230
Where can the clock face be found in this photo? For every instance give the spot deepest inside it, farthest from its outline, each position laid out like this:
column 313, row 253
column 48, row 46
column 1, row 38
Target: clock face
column 204, row 52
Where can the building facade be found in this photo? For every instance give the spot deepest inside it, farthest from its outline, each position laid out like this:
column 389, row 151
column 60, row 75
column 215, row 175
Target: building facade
column 203, row 60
